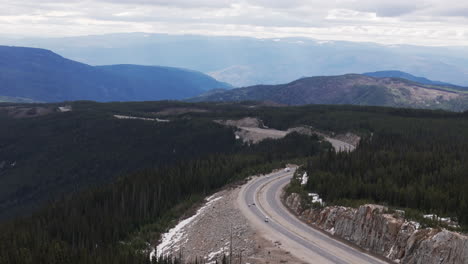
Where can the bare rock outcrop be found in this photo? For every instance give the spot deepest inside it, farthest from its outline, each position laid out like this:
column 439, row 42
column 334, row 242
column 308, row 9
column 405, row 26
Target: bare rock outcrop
column 390, row 235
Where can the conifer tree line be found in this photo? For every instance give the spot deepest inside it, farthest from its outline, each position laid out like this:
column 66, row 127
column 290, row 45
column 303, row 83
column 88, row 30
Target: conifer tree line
column 94, row 226
column 409, row 158
column 422, row 165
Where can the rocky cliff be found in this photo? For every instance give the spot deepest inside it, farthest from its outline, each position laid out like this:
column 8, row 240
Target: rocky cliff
column 371, row 227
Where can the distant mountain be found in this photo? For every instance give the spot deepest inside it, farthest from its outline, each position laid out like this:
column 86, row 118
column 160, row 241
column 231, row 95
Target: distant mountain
column 243, row 61
column 410, row 77
column 175, row 83
column 7, row 99
column 45, row 76
column 351, row 89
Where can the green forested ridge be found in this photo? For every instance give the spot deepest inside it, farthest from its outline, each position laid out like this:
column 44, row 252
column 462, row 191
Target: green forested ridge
column 90, row 227
column 419, row 163
column 63, row 152
column 408, row 158
column 391, row 168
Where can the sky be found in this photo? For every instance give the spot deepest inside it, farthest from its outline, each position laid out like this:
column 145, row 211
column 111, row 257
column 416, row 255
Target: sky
column 418, row 22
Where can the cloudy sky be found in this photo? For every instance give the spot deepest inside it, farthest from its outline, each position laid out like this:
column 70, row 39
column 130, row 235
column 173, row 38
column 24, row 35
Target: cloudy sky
column 429, row 22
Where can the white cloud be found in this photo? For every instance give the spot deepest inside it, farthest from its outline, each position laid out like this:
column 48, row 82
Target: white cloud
column 424, row 22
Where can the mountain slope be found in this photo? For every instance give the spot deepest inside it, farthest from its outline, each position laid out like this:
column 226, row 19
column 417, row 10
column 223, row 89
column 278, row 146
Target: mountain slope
column 410, row 77
column 177, row 83
column 45, row 76
column 243, row 61
column 7, row 99
column 352, row 89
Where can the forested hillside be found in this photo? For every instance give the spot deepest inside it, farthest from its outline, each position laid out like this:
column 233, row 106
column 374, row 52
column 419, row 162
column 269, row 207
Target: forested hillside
column 420, row 164
column 97, row 225
column 118, row 183
column 46, row 156
column 348, row 89
column 407, row 158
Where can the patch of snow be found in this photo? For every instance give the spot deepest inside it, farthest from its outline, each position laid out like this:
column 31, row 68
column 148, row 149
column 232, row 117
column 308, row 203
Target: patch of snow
column 319, row 200
column 435, row 217
column 415, row 224
column 66, row 108
column 391, row 251
column 170, row 239
column 140, row 118
column 445, row 220
column 304, row 179
column 316, row 198
column 430, row 216
column 213, row 255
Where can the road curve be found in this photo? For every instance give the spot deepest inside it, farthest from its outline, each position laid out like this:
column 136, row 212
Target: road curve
column 302, row 241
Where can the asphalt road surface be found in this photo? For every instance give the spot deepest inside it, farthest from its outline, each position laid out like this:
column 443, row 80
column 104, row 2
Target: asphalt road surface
column 259, row 200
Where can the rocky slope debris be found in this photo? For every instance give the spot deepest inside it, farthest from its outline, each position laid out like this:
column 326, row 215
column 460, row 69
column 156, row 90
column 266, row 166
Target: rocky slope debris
column 373, row 228
column 206, row 236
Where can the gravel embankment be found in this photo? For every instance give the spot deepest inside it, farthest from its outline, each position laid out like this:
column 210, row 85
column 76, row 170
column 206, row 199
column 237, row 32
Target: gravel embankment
column 208, row 235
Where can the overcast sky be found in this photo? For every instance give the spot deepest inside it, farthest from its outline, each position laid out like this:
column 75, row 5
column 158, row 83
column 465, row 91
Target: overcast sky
column 430, row 22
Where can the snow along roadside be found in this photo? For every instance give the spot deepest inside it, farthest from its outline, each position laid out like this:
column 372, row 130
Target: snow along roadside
column 170, row 240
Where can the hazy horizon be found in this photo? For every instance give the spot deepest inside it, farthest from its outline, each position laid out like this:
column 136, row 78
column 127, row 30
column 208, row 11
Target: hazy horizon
column 427, row 23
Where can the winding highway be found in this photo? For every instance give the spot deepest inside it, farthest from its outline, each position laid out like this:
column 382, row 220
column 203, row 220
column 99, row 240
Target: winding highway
column 259, row 200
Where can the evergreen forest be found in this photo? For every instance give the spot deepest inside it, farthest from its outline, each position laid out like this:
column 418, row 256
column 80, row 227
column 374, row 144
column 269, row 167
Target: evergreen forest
column 86, row 187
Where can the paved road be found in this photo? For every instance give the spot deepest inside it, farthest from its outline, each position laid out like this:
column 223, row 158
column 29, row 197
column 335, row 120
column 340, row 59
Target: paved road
column 303, row 241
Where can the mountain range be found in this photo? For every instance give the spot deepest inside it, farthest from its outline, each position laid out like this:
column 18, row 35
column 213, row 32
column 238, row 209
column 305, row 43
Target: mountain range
column 41, row 75
column 353, row 89
column 38, row 75
column 243, row 61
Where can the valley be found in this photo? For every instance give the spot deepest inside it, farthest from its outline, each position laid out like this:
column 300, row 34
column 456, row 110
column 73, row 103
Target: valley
column 251, row 60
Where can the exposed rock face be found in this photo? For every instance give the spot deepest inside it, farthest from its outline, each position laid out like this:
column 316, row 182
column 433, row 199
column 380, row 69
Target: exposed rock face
column 389, row 235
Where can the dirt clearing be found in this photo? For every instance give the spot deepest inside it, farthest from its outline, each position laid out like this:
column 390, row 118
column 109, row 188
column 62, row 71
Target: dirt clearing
column 252, row 130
